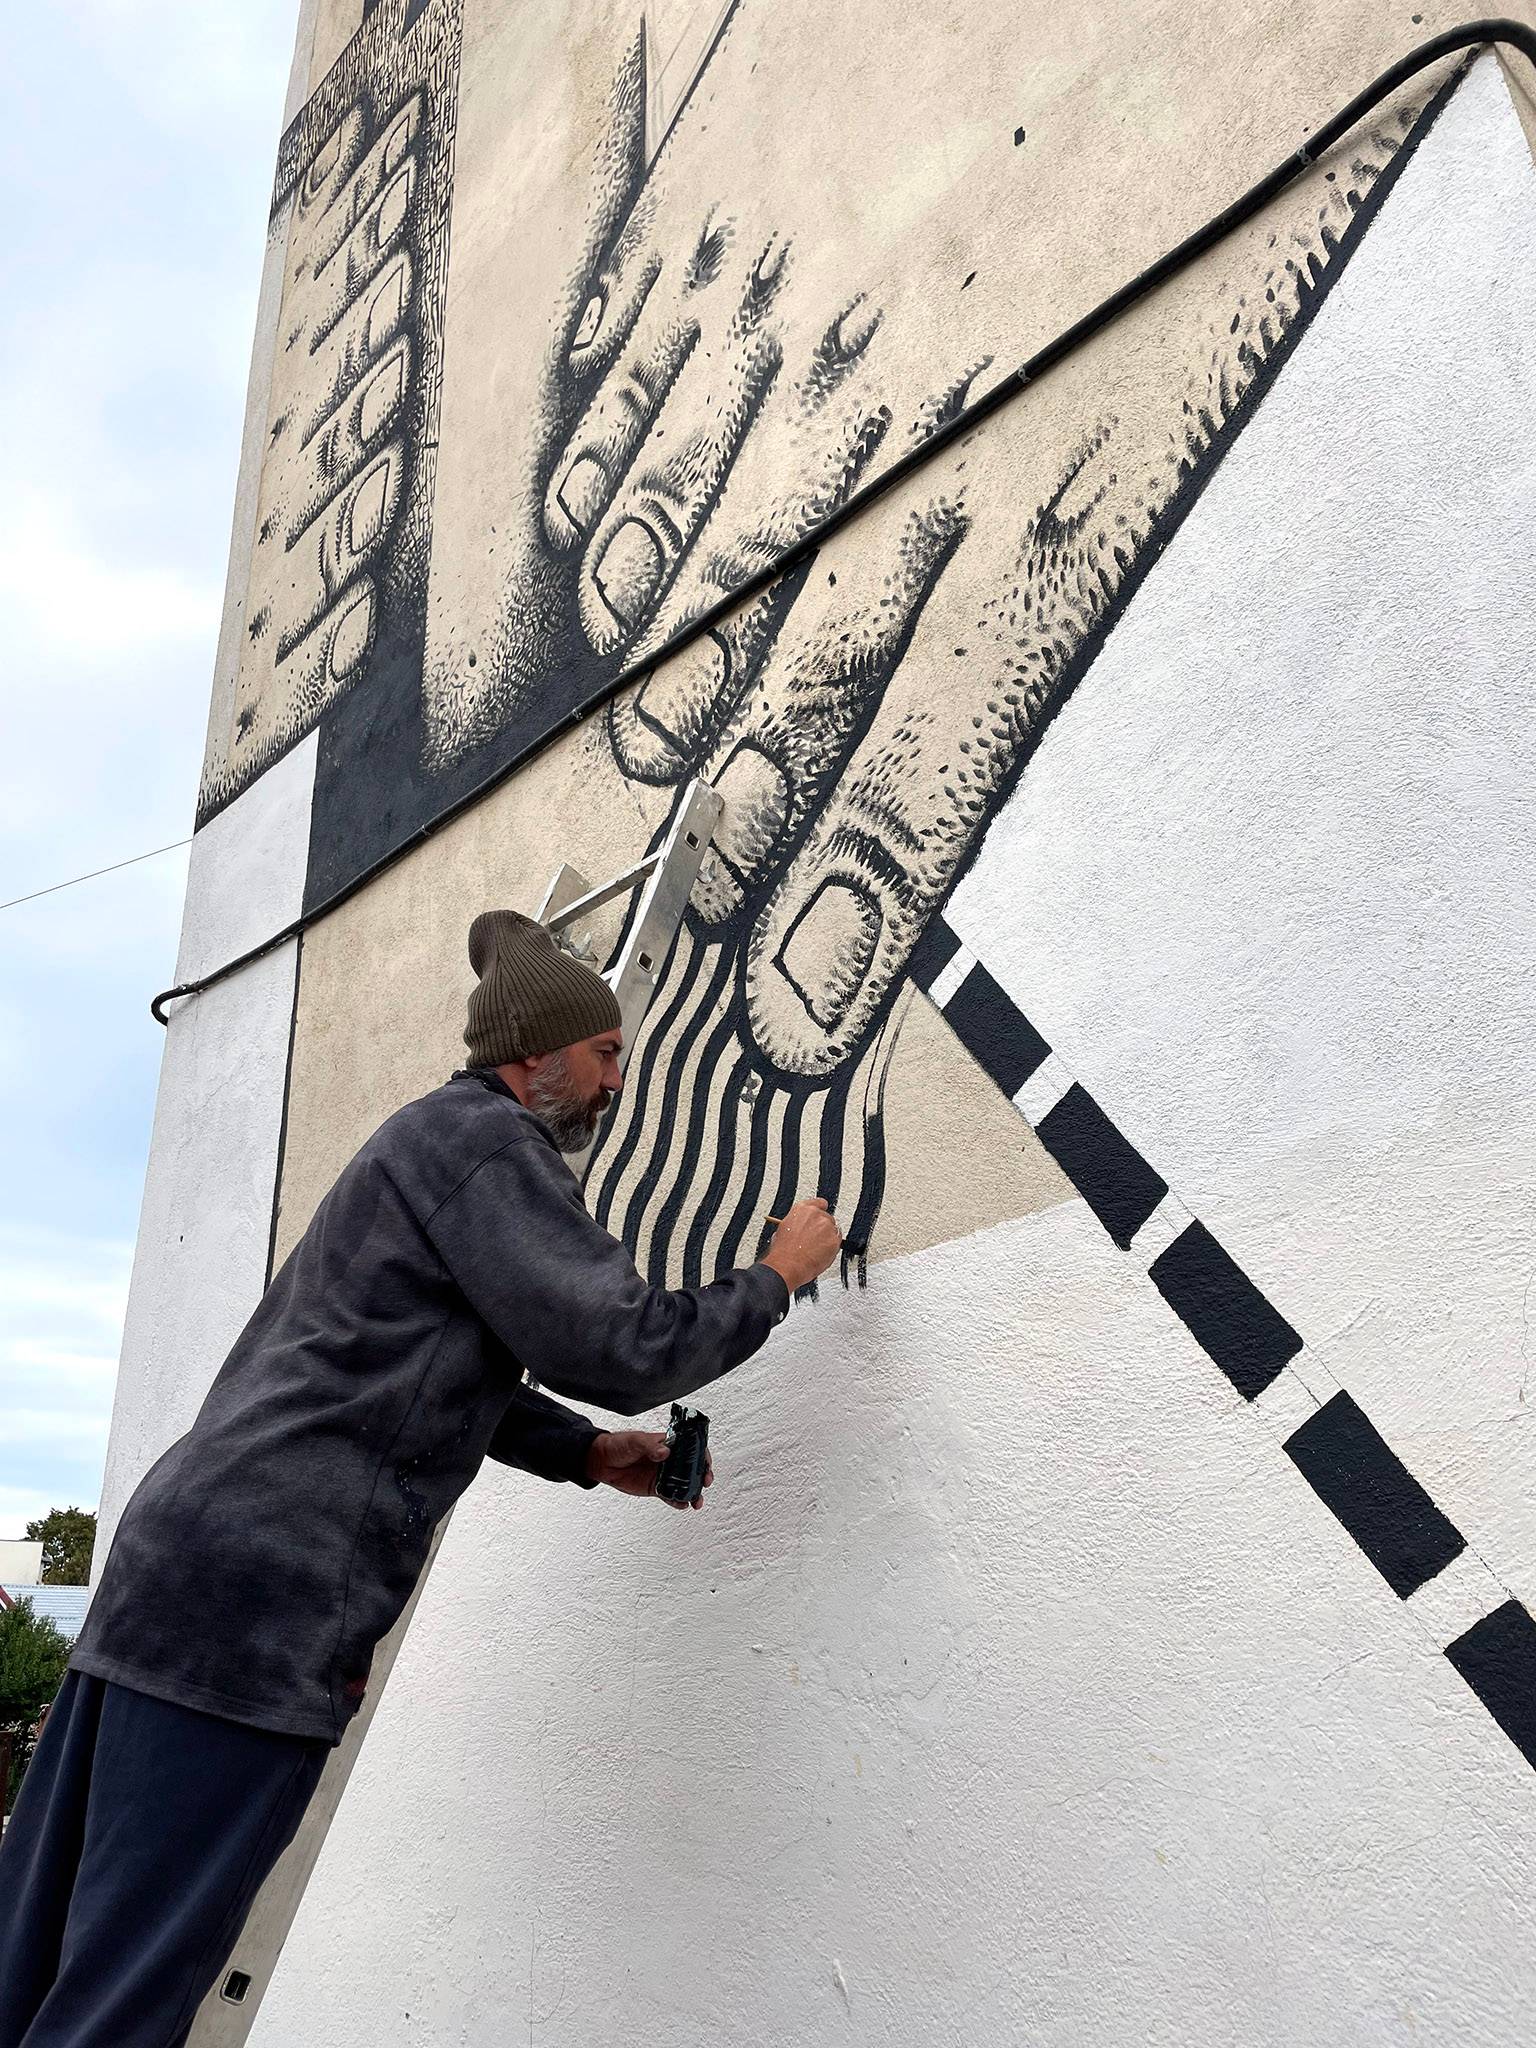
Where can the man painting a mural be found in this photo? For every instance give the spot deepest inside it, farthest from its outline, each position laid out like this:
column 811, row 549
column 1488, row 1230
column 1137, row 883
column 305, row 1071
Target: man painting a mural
column 272, row 1548
column 1089, row 586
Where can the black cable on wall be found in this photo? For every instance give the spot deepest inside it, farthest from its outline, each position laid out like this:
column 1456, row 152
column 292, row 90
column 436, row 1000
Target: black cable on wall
column 1470, row 35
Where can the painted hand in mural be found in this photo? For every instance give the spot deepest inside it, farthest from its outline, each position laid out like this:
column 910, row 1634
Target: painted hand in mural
column 702, row 409
column 864, row 724
column 675, row 358
column 336, row 460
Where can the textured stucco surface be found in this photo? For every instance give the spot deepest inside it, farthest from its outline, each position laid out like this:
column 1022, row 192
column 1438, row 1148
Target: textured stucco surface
column 1016, row 1687
column 245, row 879
column 1011, row 1674
column 1144, row 378
column 362, row 1047
column 205, row 1223
column 1290, row 943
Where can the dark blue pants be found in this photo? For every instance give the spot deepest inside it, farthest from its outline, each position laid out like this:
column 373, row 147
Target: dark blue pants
column 141, row 1835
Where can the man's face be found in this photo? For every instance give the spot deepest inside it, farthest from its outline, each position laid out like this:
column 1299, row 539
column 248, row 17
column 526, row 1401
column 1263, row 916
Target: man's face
column 571, row 1088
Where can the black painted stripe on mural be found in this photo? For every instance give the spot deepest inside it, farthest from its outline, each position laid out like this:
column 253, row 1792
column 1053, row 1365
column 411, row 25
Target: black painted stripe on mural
column 613, row 1159
column 1231, row 1321
column 834, row 1126
column 1350, row 1468
column 734, row 1239
column 1105, row 1168
column 726, row 1155
column 680, row 1179
column 1344, row 1459
column 932, row 953
column 1497, row 1658
column 994, row 1031
column 1108, row 1172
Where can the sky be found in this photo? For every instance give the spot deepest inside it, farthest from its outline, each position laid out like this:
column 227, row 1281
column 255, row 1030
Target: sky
column 137, row 139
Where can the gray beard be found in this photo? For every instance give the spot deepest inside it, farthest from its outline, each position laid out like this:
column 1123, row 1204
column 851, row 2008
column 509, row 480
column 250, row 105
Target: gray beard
column 571, row 1120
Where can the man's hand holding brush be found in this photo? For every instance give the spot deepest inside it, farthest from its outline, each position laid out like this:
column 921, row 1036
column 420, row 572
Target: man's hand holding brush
column 805, row 1244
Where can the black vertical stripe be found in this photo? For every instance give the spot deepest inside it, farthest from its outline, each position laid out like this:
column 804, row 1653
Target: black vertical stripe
column 678, row 1168
column 995, row 1031
column 749, row 1200
column 725, row 1161
column 1211, row 1294
column 619, row 1137
column 1497, row 1658
column 861, row 1227
column 1354, row 1474
column 1105, row 1168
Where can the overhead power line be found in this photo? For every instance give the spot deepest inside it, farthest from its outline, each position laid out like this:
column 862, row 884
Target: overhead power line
column 74, row 880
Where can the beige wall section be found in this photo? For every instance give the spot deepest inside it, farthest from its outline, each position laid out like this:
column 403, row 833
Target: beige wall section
column 253, row 438
column 357, row 250
column 860, row 173
column 372, row 1036
column 1137, row 123
column 336, row 23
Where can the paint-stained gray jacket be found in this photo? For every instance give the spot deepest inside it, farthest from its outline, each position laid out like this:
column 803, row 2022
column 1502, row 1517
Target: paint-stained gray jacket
column 268, row 1551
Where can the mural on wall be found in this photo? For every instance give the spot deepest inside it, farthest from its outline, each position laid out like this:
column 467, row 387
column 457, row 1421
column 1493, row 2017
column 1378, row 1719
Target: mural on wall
column 857, row 781
column 668, row 362
column 338, row 575
column 699, row 410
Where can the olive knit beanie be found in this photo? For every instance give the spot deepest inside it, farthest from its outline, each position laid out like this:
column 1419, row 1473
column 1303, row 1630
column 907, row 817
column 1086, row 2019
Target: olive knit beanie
column 531, row 996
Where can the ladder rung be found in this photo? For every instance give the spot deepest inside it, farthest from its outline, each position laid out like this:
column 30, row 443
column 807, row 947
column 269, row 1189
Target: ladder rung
column 605, row 893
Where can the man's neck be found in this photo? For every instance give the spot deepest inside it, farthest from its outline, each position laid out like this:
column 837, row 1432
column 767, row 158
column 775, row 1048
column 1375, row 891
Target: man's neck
column 515, row 1079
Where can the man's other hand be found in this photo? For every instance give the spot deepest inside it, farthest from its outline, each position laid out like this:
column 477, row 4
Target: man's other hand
column 631, row 1460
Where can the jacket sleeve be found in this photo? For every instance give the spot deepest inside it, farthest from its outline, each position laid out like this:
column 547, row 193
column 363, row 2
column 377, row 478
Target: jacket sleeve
column 542, row 1437
column 566, row 1298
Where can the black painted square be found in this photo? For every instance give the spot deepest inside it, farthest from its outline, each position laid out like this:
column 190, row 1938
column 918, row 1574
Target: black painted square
column 1105, row 1168
column 1211, row 1294
column 1497, row 1658
column 1353, row 1472
column 995, row 1031
column 932, row 953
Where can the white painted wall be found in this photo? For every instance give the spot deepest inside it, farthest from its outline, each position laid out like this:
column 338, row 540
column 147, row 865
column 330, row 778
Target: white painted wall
column 1280, row 848
column 1011, row 1676
column 205, row 1224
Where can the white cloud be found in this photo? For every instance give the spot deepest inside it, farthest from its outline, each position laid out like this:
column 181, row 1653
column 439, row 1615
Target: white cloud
column 61, row 1318
column 60, row 591
column 75, row 1283
column 51, row 1427
column 22, row 1504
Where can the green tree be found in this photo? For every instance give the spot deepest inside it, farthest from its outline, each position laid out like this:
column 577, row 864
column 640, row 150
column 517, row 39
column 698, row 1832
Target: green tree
column 68, row 1536
column 33, row 1655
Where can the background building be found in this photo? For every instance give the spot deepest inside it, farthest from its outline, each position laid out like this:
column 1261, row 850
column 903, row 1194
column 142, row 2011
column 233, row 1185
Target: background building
column 1112, row 1624
column 64, row 1606
column 21, row 1561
